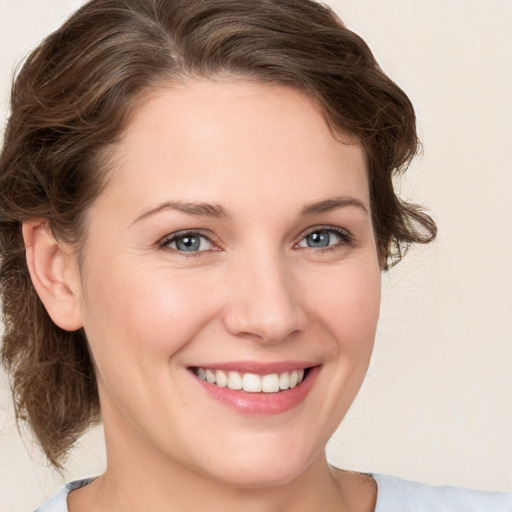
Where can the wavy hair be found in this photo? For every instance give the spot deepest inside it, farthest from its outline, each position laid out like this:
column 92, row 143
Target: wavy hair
column 71, row 101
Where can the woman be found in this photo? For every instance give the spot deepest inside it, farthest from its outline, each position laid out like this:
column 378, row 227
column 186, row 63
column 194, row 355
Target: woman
column 196, row 210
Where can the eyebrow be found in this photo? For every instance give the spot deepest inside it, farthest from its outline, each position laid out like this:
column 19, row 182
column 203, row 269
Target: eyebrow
column 195, row 209
column 217, row 211
column 328, row 205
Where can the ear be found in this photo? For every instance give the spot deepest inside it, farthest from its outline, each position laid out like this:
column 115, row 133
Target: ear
column 54, row 274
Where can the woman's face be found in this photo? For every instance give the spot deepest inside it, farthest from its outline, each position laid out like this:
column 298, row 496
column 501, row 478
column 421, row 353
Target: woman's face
column 233, row 241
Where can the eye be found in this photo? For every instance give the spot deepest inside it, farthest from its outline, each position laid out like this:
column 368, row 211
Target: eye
column 187, row 242
column 324, row 238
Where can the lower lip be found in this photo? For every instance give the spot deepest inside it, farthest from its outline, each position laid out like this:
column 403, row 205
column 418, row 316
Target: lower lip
column 262, row 403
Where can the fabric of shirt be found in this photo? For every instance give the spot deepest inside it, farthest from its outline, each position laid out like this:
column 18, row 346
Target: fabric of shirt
column 394, row 495
column 397, row 495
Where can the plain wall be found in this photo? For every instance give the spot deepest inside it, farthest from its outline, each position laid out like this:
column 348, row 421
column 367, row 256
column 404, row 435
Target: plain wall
column 437, row 403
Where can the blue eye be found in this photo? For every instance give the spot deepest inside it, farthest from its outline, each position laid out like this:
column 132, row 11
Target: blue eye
column 323, row 238
column 188, row 242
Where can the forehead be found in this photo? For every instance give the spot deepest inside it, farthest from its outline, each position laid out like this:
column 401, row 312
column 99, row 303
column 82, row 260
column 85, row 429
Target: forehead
column 208, row 138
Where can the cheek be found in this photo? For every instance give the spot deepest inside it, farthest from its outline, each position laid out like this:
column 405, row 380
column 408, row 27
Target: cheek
column 347, row 302
column 142, row 317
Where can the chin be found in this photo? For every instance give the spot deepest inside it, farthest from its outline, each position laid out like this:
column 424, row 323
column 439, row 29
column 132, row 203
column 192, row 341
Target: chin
column 263, row 466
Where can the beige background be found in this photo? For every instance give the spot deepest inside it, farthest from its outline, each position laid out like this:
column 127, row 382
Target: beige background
column 437, row 404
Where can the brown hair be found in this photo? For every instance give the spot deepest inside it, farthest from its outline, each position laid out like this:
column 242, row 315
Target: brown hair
column 70, row 102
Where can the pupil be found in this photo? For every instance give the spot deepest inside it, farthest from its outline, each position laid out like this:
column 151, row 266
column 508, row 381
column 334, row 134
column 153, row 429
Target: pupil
column 188, row 243
column 319, row 239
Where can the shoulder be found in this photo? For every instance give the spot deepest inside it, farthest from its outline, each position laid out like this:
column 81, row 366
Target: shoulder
column 397, row 495
column 58, row 502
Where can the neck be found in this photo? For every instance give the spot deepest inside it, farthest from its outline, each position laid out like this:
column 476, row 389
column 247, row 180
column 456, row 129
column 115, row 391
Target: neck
column 139, row 477
column 175, row 488
column 150, row 485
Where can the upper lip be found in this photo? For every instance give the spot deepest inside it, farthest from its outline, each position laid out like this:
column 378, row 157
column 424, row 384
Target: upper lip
column 258, row 368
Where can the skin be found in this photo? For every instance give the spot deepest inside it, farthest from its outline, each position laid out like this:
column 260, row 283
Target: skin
column 254, row 292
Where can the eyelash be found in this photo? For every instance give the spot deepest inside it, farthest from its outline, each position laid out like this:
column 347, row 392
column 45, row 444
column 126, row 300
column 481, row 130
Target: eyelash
column 166, row 241
column 346, row 239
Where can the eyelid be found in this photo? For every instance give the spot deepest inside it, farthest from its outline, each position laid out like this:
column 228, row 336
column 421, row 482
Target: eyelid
column 162, row 243
column 344, row 234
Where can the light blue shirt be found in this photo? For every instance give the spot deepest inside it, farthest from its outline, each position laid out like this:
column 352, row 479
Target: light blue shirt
column 397, row 495
column 394, row 495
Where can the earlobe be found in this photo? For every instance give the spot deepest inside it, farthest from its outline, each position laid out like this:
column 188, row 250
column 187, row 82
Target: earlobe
column 54, row 274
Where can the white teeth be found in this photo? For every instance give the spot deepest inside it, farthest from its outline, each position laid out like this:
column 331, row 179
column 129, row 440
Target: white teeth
column 221, row 378
column 251, row 382
column 270, row 383
column 234, row 380
column 284, row 380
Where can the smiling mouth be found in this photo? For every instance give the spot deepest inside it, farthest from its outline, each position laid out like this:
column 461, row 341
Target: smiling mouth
column 251, row 382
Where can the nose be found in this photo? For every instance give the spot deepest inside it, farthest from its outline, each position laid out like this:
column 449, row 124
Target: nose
column 265, row 302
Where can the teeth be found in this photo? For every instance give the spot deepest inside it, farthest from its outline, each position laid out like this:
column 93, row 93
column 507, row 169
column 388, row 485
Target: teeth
column 251, row 382
column 221, row 379
column 270, row 383
column 284, row 380
column 234, row 380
